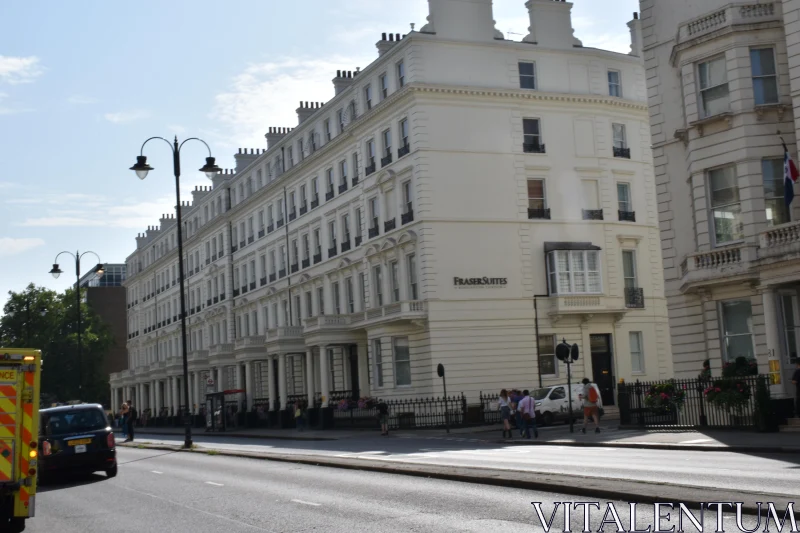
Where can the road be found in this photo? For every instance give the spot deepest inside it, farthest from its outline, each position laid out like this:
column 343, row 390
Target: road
column 178, row 492
column 774, row 474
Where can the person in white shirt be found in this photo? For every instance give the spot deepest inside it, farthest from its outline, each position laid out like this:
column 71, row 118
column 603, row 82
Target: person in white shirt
column 504, row 404
column 592, row 402
column 527, row 407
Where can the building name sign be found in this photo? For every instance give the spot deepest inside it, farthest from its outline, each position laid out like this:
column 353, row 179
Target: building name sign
column 480, row 283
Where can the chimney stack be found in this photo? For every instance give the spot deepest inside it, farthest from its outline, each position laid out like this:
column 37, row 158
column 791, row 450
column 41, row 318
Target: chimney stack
column 243, row 158
column 343, row 80
column 274, row 135
column 307, row 109
column 551, row 24
column 462, row 20
column 635, row 26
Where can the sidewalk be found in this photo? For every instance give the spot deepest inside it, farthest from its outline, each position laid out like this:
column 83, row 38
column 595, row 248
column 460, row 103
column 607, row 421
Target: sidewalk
column 610, row 436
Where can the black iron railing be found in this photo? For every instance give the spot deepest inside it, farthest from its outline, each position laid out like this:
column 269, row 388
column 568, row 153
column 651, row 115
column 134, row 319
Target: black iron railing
column 373, row 232
column 592, row 214
column 261, row 233
column 317, row 257
column 386, row 160
column 346, row 246
column 369, row 169
column 622, row 152
column 735, row 402
column 539, row 213
column 359, row 238
column 263, row 281
column 294, row 268
column 634, row 298
column 315, row 202
column 403, row 150
column 533, row 148
column 273, row 277
column 282, row 273
column 389, row 225
column 407, row 217
column 332, row 251
column 303, row 209
column 342, row 187
column 279, row 223
column 305, row 263
column 627, row 216
column 292, row 215
column 270, row 228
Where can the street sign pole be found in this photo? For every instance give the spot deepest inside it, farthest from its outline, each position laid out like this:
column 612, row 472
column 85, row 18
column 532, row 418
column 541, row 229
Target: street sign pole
column 568, row 355
column 440, row 372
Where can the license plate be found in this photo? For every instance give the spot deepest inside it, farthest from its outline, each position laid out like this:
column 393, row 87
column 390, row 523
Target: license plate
column 80, row 448
column 80, row 441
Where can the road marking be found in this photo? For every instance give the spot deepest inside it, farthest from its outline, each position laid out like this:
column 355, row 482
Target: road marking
column 156, row 472
column 307, row 503
column 695, row 441
column 215, row 484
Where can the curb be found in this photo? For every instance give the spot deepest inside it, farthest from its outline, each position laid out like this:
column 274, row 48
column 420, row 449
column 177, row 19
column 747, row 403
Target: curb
column 239, row 436
column 655, row 446
column 574, row 485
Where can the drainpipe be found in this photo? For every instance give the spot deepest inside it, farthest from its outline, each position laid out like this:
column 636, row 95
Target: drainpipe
column 536, row 325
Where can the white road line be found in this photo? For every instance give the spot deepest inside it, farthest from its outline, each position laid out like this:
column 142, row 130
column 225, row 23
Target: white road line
column 215, row 484
column 156, row 472
column 307, row 503
column 695, row 441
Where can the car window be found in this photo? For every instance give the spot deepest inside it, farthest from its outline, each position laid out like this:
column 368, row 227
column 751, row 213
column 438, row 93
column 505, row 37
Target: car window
column 540, row 394
column 558, row 394
column 74, row 421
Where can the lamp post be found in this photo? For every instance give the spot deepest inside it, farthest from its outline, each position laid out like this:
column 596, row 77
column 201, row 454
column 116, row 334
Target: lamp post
column 98, row 271
column 210, row 169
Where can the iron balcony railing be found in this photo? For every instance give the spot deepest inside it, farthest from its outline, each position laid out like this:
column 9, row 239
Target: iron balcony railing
column 317, row 257
column 342, row 187
column 346, row 246
column 369, row 169
column 305, row 263
column 407, row 217
column 539, row 213
column 624, row 153
column 373, row 232
column 634, row 297
column 627, row 216
column 359, row 238
column 533, row 148
column 329, row 195
column 403, row 150
column 315, row 202
column 386, row 160
column 332, row 251
column 303, row 209
column 592, row 214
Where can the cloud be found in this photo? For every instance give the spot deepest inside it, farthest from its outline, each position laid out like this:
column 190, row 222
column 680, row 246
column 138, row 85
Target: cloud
column 176, row 129
column 15, row 70
column 123, row 117
column 267, row 94
column 596, row 34
column 81, row 100
column 10, row 246
column 11, row 110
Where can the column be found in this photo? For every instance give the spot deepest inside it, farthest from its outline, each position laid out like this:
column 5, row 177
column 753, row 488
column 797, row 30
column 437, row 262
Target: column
column 220, row 376
column 363, row 370
column 249, row 384
column 402, row 273
column 159, row 402
column 387, row 283
column 348, row 385
column 238, row 376
column 139, row 401
column 198, row 391
column 153, row 402
column 271, row 382
column 310, row 375
column 282, row 380
column 772, row 337
column 325, row 375
column 175, row 395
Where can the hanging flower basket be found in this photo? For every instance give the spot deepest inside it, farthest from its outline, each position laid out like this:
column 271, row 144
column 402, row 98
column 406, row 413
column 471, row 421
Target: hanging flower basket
column 664, row 398
column 729, row 393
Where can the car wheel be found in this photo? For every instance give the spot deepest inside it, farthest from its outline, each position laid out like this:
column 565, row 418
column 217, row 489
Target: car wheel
column 112, row 472
column 547, row 419
column 16, row 525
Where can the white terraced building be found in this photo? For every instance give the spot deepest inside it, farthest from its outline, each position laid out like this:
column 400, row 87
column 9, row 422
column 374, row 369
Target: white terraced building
column 464, row 199
column 724, row 81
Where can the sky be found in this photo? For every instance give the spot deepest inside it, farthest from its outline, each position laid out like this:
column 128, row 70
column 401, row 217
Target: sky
column 83, row 84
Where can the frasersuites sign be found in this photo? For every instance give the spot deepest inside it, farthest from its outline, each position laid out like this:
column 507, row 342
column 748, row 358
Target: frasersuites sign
column 480, row 283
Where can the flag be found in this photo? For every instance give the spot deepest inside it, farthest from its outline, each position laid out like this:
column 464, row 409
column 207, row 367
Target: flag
column 790, row 175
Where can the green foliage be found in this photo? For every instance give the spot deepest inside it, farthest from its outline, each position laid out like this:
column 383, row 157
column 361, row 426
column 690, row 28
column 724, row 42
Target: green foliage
column 741, row 366
column 664, row 397
column 43, row 319
column 730, row 393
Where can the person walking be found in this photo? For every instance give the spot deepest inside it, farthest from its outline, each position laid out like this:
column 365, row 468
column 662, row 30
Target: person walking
column 796, row 381
column 123, row 418
column 527, row 409
column 383, row 418
column 591, row 404
column 300, row 415
column 516, row 397
column 131, row 421
column 504, row 404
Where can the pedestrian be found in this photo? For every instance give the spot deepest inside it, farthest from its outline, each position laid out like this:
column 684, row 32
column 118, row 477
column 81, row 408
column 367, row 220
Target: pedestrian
column 796, row 381
column 123, row 415
column 504, row 404
column 527, row 408
column 592, row 402
column 299, row 415
column 132, row 415
column 515, row 397
column 383, row 417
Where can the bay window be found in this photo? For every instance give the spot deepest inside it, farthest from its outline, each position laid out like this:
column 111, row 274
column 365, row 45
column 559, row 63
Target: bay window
column 574, row 272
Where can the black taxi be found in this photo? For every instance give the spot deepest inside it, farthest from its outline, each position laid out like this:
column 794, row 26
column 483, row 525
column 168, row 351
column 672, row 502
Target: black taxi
column 76, row 438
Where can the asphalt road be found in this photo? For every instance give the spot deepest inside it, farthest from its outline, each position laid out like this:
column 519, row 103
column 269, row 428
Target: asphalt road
column 773, row 474
column 177, row 492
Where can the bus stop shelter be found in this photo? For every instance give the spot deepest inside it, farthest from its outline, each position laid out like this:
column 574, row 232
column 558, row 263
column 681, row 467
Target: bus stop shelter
column 222, row 409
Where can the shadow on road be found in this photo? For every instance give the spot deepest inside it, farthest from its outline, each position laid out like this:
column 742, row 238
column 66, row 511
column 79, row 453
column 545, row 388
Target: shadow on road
column 54, row 482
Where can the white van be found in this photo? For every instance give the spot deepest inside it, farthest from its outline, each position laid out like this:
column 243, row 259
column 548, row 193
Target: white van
column 552, row 403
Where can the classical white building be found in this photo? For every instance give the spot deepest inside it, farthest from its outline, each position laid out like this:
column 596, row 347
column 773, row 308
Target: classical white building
column 721, row 81
column 456, row 197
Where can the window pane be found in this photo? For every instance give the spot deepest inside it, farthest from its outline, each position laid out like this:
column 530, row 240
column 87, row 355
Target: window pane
column 713, row 73
column 763, row 62
column 624, row 196
column 535, row 188
column 736, row 317
column 715, row 100
column 728, row 223
column 590, row 195
column 547, row 359
column 402, row 361
column 526, row 69
column 628, row 266
column 530, row 126
column 765, row 90
column 724, row 189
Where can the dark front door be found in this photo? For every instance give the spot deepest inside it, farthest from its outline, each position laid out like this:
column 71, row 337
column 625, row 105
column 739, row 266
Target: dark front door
column 602, row 371
column 352, row 351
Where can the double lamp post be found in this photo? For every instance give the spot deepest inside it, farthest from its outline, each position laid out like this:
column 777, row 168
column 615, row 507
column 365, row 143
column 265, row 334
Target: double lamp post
column 210, row 169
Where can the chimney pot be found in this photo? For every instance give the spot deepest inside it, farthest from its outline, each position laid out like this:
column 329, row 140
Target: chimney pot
column 338, row 73
column 635, row 16
column 383, row 36
column 397, row 37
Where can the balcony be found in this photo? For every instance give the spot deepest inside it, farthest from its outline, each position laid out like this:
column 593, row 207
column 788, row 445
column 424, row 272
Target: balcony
column 720, row 265
column 175, row 318
column 273, row 277
column 592, row 214
column 292, row 215
column 389, row 225
column 242, row 243
column 346, row 246
column 197, row 356
column 294, row 268
column 263, row 281
column 235, row 293
column 408, row 310
column 359, row 238
column 270, row 227
column 634, row 298
column 287, row 338
column 251, row 342
column 533, row 148
column 216, row 299
column 373, row 232
column 779, row 241
column 315, row 202
column 317, row 257
column 624, row 153
column 749, row 13
column 403, row 151
column 305, row 263
column 332, row 251
column 218, row 350
column 244, row 289
column 279, row 223
column 252, row 285
column 208, row 302
column 261, row 233
column 369, row 169
column 303, row 209
column 221, row 297
column 343, row 187
column 627, row 216
column 234, row 248
column 407, row 217
column 540, row 214
column 281, row 273
column 355, row 181
column 585, row 304
column 329, row 195
column 251, row 239
column 386, row 160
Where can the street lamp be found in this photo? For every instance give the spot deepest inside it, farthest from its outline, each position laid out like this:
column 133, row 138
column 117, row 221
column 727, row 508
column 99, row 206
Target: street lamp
column 99, row 270
column 210, row 169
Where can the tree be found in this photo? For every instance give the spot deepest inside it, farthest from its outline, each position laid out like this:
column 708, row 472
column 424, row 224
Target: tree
column 42, row 319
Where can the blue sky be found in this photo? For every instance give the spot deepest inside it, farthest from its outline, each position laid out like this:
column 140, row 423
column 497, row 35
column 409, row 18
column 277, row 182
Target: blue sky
column 82, row 84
